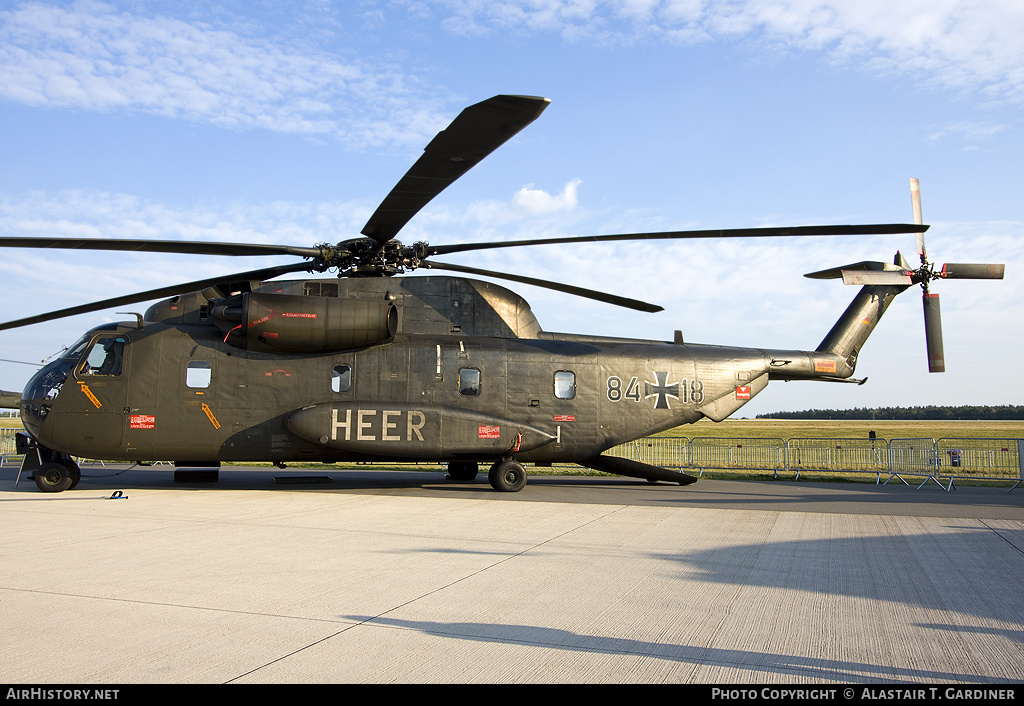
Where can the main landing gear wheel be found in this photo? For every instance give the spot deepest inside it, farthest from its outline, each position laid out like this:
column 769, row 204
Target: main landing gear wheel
column 507, row 476
column 56, row 476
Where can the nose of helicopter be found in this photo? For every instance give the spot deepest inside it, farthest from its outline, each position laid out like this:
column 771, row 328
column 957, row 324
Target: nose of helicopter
column 40, row 392
column 33, row 411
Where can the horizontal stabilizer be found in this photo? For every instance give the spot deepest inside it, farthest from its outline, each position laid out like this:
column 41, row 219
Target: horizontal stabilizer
column 896, row 277
column 837, row 272
column 868, row 272
column 865, row 266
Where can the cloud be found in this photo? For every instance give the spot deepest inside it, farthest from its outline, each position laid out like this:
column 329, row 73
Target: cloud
column 93, row 57
column 962, row 44
column 537, row 201
column 969, row 130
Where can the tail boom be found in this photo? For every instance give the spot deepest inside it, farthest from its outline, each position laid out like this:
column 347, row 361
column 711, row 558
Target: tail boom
column 835, row 358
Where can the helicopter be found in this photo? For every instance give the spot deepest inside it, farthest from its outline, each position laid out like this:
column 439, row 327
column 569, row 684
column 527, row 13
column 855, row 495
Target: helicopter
column 371, row 366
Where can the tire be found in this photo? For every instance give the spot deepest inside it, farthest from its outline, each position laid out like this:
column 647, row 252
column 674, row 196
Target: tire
column 76, row 475
column 507, row 476
column 53, row 477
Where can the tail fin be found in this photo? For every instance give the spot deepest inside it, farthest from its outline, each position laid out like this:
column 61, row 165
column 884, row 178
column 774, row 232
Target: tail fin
column 835, row 358
column 847, row 337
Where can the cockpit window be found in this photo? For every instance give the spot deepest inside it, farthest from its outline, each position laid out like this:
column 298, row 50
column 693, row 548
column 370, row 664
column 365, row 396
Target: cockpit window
column 105, row 356
column 198, row 374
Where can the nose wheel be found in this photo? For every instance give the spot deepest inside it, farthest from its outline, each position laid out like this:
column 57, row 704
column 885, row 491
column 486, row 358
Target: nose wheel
column 57, row 476
column 507, row 476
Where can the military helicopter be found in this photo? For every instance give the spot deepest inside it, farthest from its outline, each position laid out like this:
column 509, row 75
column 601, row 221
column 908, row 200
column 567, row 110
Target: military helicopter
column 371, row 366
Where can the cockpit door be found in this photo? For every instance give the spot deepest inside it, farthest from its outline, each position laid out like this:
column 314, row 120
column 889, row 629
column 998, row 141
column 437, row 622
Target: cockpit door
column 90, row 421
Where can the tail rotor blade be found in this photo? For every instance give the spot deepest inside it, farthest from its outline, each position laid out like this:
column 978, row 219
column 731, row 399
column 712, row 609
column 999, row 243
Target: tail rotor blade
column 915, row 197
column 933, row 333
column 962, row 270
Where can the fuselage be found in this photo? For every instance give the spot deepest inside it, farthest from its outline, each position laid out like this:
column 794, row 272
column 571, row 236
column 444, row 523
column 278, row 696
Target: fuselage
column 176, row 389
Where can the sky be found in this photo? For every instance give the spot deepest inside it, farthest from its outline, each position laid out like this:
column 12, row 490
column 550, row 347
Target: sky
column 260, row 121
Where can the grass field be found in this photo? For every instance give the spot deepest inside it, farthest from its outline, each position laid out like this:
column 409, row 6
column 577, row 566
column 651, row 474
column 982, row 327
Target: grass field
column 849, row 429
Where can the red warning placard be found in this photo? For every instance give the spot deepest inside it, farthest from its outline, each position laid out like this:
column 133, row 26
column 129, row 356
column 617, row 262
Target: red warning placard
column 143, row 421
column 490, row 432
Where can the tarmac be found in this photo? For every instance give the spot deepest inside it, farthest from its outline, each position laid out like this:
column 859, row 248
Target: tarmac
column 395, row 577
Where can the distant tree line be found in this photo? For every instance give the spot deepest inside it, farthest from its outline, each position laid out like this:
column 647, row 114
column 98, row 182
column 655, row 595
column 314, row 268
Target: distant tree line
column 928, row 412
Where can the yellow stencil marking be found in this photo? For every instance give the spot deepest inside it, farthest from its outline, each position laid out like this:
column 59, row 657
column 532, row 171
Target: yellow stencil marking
column 209, row 414
column 88, row 393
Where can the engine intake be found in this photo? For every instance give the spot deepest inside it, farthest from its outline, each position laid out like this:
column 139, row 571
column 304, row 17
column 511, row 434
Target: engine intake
column 285, row 323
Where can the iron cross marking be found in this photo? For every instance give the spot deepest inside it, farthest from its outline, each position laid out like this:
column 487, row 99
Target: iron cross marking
column 662, row 389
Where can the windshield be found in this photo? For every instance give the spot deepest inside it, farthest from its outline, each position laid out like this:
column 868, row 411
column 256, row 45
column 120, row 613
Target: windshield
column 42, row 389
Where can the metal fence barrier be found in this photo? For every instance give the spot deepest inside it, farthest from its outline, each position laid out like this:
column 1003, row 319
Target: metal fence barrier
column 7, row 444
column 942, row 461
column 913, row 457
column 667, row 452
column 998, row 459
column 738, row 454
column 839, row 456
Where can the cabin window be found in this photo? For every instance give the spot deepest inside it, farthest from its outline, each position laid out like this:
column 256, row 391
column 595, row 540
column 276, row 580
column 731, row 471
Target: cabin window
column 341, row 378
column 469, row 382
column 105, row 356
column 565, row 384
column 198, row 374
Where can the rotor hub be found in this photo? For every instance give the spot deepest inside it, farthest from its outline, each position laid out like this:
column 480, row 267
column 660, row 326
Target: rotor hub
column 366, row 257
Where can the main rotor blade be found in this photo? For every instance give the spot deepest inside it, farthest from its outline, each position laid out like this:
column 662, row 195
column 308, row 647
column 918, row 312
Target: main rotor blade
column 963, row 270
column 198, row 285
column 558, row 287
column 186, row 247
column 475, row 133
column 798, row 231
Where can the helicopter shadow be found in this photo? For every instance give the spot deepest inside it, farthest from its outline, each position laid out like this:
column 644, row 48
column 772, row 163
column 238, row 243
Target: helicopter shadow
column 790, row 666
column 965, row 574
column 959, row 584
